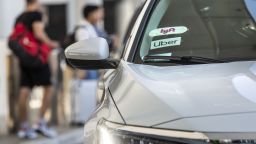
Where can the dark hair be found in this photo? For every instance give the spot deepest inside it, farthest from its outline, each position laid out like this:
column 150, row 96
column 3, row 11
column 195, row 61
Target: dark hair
column 30, row 1
column 88, row 9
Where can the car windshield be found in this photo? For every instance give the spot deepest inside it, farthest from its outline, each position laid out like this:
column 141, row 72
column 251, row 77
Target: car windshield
column 206, row 29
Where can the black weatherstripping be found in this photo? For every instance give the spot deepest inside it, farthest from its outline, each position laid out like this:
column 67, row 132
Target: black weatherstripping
column 94, row 64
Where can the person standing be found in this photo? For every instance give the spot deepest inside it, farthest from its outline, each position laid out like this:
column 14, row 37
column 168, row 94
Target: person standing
column 91, row 17
column 86, row 30
column 89, row 27
column 32, row 19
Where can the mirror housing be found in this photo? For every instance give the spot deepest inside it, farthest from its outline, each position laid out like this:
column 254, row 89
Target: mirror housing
column 90, row 54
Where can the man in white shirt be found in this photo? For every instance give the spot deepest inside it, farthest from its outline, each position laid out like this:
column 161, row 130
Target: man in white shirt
column 86, row 28
column 89, row 26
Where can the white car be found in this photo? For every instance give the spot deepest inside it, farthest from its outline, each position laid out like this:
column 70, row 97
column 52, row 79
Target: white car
column 187, row 76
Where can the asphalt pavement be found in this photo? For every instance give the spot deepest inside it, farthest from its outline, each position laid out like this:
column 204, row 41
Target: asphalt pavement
column 66, row 136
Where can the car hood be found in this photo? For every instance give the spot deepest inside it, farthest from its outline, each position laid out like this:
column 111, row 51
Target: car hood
column 157, row 96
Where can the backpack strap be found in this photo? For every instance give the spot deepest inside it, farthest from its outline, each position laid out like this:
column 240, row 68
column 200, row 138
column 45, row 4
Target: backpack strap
column 79, row 27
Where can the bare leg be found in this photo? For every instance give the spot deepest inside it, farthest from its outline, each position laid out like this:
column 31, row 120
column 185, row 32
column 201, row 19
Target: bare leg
column 47, row 99
column 23, row 99
column 25, row 130
column 42, row 125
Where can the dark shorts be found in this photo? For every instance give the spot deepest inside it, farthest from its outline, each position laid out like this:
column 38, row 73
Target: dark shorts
column 31, row 77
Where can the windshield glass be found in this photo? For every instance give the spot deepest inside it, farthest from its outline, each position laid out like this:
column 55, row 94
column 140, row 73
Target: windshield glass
column 215, row 29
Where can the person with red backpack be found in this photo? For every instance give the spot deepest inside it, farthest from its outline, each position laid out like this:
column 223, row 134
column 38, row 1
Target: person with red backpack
column 32, row 46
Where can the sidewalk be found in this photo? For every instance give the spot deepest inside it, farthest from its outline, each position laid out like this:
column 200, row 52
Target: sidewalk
column 66, row 136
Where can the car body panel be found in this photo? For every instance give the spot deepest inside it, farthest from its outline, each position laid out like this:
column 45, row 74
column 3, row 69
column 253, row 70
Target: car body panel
column 228, row 123
column 107, row 110
column 151, row 95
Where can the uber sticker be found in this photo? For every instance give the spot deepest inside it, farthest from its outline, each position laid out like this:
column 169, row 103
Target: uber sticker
column 166, row 43
column 168, row 31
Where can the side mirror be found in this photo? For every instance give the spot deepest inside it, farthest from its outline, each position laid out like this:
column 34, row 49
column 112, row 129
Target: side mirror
column 90, row 54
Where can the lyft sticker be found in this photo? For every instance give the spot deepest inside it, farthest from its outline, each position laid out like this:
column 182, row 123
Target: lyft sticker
column 166, row 43
column 168, row 31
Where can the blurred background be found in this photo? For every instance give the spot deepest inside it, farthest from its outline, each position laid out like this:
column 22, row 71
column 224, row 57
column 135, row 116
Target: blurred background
column 63, row 17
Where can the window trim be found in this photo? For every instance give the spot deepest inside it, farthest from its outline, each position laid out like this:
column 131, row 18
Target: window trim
column 134, row 41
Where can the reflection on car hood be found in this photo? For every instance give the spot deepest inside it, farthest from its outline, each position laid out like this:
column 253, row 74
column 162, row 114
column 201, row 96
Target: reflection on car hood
column 153, row 96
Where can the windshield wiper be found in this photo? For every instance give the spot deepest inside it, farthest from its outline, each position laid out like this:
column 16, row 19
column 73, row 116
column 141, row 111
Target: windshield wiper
column 181, row 59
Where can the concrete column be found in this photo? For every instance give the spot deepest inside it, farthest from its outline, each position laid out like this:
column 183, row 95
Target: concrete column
column 4, row 110
column 9, row 10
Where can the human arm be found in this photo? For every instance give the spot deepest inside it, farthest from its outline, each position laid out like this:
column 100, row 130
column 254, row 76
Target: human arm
column 38, row 29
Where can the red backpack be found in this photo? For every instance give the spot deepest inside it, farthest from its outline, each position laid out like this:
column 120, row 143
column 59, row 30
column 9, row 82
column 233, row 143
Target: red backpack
column 27, row 48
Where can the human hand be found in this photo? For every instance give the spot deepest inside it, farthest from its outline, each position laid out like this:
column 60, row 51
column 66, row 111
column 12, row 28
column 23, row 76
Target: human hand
column 54, row 44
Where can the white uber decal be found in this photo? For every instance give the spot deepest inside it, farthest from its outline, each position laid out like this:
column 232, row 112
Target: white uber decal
column 166, row 43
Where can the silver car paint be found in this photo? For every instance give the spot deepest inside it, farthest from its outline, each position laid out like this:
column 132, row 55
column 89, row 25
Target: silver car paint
column 152, row 95
column 231, row 123
column 106, row 110
column 204, row 98
column 83, row 50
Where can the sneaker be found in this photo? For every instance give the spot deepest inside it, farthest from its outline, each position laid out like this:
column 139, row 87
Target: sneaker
column 46, row 131
column 27, row 134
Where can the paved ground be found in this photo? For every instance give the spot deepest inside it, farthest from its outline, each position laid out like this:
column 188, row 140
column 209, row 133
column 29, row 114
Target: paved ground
column 66, row 136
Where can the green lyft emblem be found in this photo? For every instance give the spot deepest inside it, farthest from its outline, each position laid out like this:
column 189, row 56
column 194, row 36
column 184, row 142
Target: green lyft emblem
column 166, row 43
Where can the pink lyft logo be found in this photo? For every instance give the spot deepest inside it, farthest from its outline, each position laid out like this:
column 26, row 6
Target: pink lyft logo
column 168, row 31
column 165, row 31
